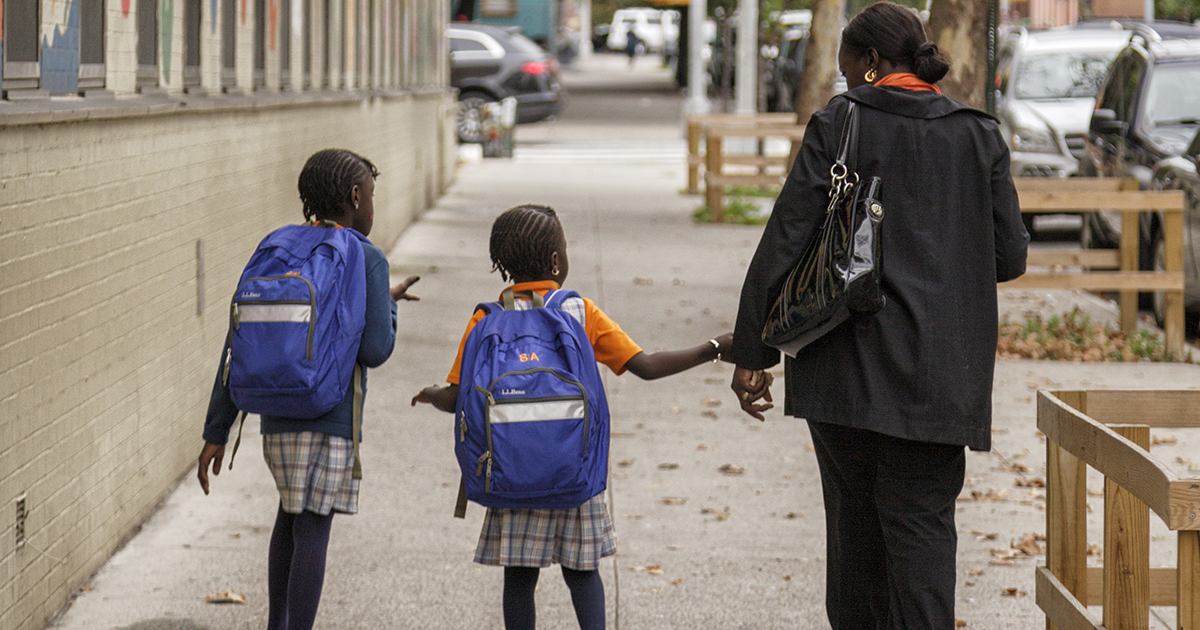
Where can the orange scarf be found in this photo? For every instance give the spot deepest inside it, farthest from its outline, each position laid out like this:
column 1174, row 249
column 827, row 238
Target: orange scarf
column 907, row 81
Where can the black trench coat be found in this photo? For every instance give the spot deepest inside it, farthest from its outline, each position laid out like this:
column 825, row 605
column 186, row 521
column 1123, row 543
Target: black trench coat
column 922, row 367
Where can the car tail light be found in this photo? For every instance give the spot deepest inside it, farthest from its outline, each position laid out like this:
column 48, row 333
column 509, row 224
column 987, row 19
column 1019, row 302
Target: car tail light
column 533, row 67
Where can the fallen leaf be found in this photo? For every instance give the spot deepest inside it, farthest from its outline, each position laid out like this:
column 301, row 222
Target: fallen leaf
column 709, row 414
column 668, row 466
column 1095, row 550
column 1015, row 467
column 974, row 572
column 1182, row 460
column 626, row 463
column 720, row 514
column 677, row 581
column 1095, row 493
column 652, row 569
column 982, row 536
column 711, row 402
column 1166, row 439
column 1003, row 563
column 794, row 515
column 970, row 582
column 1035, row 482
column 643, row 281
column 1005, row 554
column 673, row 500
column 713, row 381
column 675, row 547
column 621, row 434
column 89, row 587
column 787, row 578
column 732, row 470
column 1012, row 592
column 1029, row 545
column 990, row 495
column 225, row 597
column 960, row 623
column 235, row 535
column 701, row 447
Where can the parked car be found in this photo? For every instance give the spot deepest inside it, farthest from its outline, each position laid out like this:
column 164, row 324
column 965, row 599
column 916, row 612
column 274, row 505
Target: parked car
column 658, row 30
column 490, row 63
column 600, row 37
column 1182, row 172
column 1147, row 112
column 785, row 70
column 1046, row 84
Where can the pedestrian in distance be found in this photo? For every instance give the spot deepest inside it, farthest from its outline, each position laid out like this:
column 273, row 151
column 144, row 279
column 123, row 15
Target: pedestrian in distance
column 314, row 458
column 529, row 248
column 893, row 397
column 632, row 42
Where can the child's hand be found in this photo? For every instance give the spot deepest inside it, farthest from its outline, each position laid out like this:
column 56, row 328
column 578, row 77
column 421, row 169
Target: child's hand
column 751, row 386
column 400, row 291
column 442, row 398
column 210, row 454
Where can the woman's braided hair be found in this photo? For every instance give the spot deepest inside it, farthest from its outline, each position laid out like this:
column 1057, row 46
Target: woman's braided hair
column 898, row 35
column 523, row 239
column 327, row 180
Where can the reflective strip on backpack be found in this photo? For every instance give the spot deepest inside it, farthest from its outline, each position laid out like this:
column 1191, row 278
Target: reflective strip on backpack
column 250, row 312
column 538, row 411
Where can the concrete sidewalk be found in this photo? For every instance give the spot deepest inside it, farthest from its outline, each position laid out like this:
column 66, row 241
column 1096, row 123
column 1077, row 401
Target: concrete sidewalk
column 740, row 551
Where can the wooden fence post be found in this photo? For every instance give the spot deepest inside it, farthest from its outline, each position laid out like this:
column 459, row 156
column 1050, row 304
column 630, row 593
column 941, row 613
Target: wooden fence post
column 1173, row 320
column 1126, row 547
column 1066, row 511
column 1187, row 612
column 693, row 139
column 714, row 194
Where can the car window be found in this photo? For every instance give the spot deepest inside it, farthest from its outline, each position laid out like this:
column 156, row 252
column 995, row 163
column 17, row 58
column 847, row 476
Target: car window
column 1127, row 88
column 1172, row 96
column 521, row 44
column 655, row 20
column 461, row 43
column 629, row 20
column 1061, row 75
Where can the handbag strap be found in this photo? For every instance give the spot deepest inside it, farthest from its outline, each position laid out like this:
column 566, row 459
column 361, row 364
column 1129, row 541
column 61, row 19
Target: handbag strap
column 845, row 166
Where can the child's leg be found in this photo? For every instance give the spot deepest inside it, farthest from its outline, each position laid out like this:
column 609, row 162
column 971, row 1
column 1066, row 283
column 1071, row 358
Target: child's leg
column 279, row 569
column 587, row 594
column 519, row 610
column 311, row 535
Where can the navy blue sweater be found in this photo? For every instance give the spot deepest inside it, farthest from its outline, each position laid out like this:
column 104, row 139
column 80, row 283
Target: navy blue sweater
column 378, row 340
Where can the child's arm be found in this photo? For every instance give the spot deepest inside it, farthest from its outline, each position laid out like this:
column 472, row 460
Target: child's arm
column 659, row 364
column 442, row 398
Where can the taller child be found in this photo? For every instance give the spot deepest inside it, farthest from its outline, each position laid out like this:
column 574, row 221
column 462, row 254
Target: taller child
column 529, row 247
column 312, row 460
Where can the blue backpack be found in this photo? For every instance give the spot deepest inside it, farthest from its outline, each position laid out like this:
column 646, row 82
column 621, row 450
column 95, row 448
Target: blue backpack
column 296, row 322
column 532, row 419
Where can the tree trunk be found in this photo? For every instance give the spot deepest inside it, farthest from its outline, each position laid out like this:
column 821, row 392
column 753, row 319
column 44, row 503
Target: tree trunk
column 820, row 63
column 959, row 28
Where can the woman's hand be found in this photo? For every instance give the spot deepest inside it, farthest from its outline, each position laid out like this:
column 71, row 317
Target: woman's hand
column 442, row 398
column 750, row 387
column 213, row 453
column 400, row 291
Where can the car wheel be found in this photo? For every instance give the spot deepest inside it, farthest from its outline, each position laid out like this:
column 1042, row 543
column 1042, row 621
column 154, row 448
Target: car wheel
column 467, row 119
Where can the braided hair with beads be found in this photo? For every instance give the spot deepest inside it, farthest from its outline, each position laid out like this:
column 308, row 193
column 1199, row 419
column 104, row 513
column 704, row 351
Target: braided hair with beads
column 523, row 240
column 328, row 180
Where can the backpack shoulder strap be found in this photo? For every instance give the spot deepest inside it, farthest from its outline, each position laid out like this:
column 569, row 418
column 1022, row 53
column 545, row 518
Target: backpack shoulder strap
column 555, row 298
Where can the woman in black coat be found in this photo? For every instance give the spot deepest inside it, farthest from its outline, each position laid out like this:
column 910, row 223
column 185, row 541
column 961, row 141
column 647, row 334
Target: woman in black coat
column 891, row 398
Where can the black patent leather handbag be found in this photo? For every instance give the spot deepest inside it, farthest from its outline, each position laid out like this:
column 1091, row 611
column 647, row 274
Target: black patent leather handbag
column 840, row 271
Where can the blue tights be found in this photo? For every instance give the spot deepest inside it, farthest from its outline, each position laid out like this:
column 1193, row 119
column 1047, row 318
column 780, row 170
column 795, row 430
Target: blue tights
column 587, row 594
column 296, row 569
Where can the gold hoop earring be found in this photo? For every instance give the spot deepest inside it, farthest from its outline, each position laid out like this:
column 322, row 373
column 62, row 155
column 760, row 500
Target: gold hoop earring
column 554, row 272
column 871, row 75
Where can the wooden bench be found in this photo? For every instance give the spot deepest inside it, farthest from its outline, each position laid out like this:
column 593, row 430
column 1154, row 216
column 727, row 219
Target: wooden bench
column 697, row 124
column 1110, row 269
column 1110, row 431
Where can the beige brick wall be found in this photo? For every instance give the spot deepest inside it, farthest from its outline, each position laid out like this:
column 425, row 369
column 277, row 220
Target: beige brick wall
column 105, row 365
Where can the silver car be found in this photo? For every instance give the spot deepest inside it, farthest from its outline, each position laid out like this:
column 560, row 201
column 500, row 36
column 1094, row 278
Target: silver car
column 1046, row 84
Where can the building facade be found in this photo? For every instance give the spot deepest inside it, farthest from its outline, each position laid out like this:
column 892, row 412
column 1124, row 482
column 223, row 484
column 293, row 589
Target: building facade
column 146, row 146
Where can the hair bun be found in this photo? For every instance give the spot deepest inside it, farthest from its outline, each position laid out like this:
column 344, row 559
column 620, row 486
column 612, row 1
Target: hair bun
column 928, row 49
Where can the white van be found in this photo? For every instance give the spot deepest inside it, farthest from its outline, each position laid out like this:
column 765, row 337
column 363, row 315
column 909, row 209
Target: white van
column 657, row 29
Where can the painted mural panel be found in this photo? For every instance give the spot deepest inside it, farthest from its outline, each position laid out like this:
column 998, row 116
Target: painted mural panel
column 166, row 25
column 1, row 40
column 60, row 46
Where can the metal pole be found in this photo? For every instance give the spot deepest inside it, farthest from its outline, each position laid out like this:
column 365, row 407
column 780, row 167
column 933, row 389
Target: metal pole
column 1148, row 10
column 585, row 30
column 747, row 57
column 697, row 102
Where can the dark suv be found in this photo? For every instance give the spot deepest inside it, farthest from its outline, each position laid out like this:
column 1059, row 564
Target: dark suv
column 1147, row 110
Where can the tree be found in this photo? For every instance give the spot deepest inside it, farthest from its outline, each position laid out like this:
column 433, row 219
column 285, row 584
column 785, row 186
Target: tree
column 820, row 62
column 959, row 28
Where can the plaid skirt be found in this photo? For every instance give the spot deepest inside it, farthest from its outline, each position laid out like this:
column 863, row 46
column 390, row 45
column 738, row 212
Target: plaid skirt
column 576, row 538
column 313, row 471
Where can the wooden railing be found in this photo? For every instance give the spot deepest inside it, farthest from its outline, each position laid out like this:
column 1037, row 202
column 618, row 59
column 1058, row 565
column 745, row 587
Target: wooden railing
column 1110, row 431
column 697, row 125
column 1110, row 269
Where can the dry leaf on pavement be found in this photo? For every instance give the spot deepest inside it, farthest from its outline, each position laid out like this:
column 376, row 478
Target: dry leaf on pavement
column 1012, row 592
column 701, row 447
column 626, row 463
column 652, row 569
column 960, row 623
column 225, row 597
column 711, row 402
column 1166, row 439
column 731, row 469
column 668, row 466
column 1034, row 482
column 1029, row 545
column 720, row 514
column 673, row 500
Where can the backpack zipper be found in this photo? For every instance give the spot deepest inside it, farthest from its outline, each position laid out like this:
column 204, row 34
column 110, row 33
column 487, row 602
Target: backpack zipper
column 487, row 455
column 312, row 303
column 228, row 358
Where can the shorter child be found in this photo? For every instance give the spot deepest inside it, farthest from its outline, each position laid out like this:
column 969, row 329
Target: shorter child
column 529, row 247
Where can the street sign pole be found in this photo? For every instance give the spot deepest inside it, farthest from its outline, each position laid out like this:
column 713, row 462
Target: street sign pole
column 746, row 79
column 697, row 102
